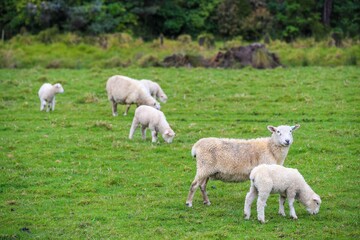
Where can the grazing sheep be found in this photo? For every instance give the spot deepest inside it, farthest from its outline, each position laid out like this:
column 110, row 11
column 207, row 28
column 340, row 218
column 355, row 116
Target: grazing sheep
column 231, row 160
column 47, row 94
column 124, row 90
column 288, row 182
column 153, row 119
column 154, row 90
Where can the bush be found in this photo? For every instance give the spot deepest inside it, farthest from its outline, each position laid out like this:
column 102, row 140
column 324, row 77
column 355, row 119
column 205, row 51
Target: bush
column 185, row 39
column 49, row 35
column 207, row 40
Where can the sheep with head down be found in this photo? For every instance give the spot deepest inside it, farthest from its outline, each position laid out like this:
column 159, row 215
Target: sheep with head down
column 231, row 160
column 288, row 182
column 127, row 91
column 154, row 90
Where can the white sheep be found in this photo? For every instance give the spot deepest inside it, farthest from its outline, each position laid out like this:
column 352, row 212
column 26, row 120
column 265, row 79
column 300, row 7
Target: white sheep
column 231, row 160
column 154, row 90
column 153, row 119
column 47, row 94
column 288, row 182
column 124, row 90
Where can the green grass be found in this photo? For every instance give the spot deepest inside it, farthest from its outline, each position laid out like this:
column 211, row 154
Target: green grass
column 73, row 173
column 121, row 50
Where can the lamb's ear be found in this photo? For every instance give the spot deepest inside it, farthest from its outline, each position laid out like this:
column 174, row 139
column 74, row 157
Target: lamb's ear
column 271, row 129
column 295, row 127
column 317, row 199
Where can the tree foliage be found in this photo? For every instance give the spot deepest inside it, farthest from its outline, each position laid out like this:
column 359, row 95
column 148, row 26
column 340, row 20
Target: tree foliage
column 251, row 19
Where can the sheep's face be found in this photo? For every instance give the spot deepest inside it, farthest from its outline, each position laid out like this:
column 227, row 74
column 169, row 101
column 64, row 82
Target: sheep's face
column 168, row 135
column 156, row 105
column 313, row 205
column 59, row 88
column 163, row 98
column 283, row 134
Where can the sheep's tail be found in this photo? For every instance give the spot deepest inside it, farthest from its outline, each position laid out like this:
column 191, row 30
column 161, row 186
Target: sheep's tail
column 193, row 152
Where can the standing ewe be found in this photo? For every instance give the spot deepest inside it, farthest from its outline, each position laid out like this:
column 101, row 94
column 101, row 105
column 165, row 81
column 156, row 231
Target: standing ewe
column 231, row 160
column 267, row 179
column 153, row 119
column 154, row 90
column 47, row 94
column 124, row 90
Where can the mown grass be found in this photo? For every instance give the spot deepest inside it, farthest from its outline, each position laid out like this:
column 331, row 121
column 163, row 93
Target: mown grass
column 73, row 173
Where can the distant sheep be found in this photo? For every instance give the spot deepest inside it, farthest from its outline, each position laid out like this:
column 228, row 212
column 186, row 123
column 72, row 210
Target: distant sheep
column 47, row 94
column 154, row 90
column 288, row 182
column 127, row 91
column 231, row 160
column 153, row 119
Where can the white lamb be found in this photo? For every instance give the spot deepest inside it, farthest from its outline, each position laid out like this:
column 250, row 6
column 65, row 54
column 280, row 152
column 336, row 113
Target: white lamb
column 153, row 119
column 288, row 182
column 231, row 160
column 124, row 90
column 47, row 94
column 154, row 90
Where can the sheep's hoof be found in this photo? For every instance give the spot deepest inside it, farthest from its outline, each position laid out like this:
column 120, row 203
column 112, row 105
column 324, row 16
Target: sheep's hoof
column 189, row 204
column 282, row 214
column 294, row 217
column 262, row 221
column 246, row 217
column 207, row 203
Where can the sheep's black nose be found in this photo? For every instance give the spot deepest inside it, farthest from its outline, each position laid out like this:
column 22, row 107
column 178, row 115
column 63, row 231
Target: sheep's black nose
column 287, row 141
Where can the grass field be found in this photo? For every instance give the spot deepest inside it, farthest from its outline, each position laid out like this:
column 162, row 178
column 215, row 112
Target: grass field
column 73, row 173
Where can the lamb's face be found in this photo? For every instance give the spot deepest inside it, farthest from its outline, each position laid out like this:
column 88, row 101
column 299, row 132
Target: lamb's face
column 59, row 88
column 163, row 98
column 283, row 134
column 156, row 105
column 313, row 205
column 168, row 135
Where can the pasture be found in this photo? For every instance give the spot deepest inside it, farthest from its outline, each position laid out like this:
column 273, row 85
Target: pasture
column 74, row 174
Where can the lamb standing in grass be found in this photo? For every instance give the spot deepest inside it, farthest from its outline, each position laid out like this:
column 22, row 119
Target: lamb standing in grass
column 231, row 160
column 124, row 90
column 153, row 119
column 288, row 182
column 154, row 90
column 47, row 94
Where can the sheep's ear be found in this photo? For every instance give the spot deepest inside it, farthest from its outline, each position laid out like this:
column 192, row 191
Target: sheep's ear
column 317, row 199
column 295, row 127
column 271, row 129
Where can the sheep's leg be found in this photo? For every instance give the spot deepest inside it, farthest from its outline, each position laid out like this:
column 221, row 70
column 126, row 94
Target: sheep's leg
column 42, row 104
column 47, row 107
column 114, row 108
column 292, row 209
column 194, row 185
column 250, row 197
column 154, row 136
column 53, row 104
column 203, row 191
column 134, row 125
column 281, row 205
column 127, row 109
column 260, row 205
column 143, row 132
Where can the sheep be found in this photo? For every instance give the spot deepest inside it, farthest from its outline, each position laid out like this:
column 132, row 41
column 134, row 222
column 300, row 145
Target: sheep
column 124, row 90
column 231, row 160
column 153, row 119
column 47, row 94
column 154, row 90
column 288, row 182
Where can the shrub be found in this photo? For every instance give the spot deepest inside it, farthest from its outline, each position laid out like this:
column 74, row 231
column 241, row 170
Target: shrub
column 185, row 39
column 49, row 35
column 207, row 40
